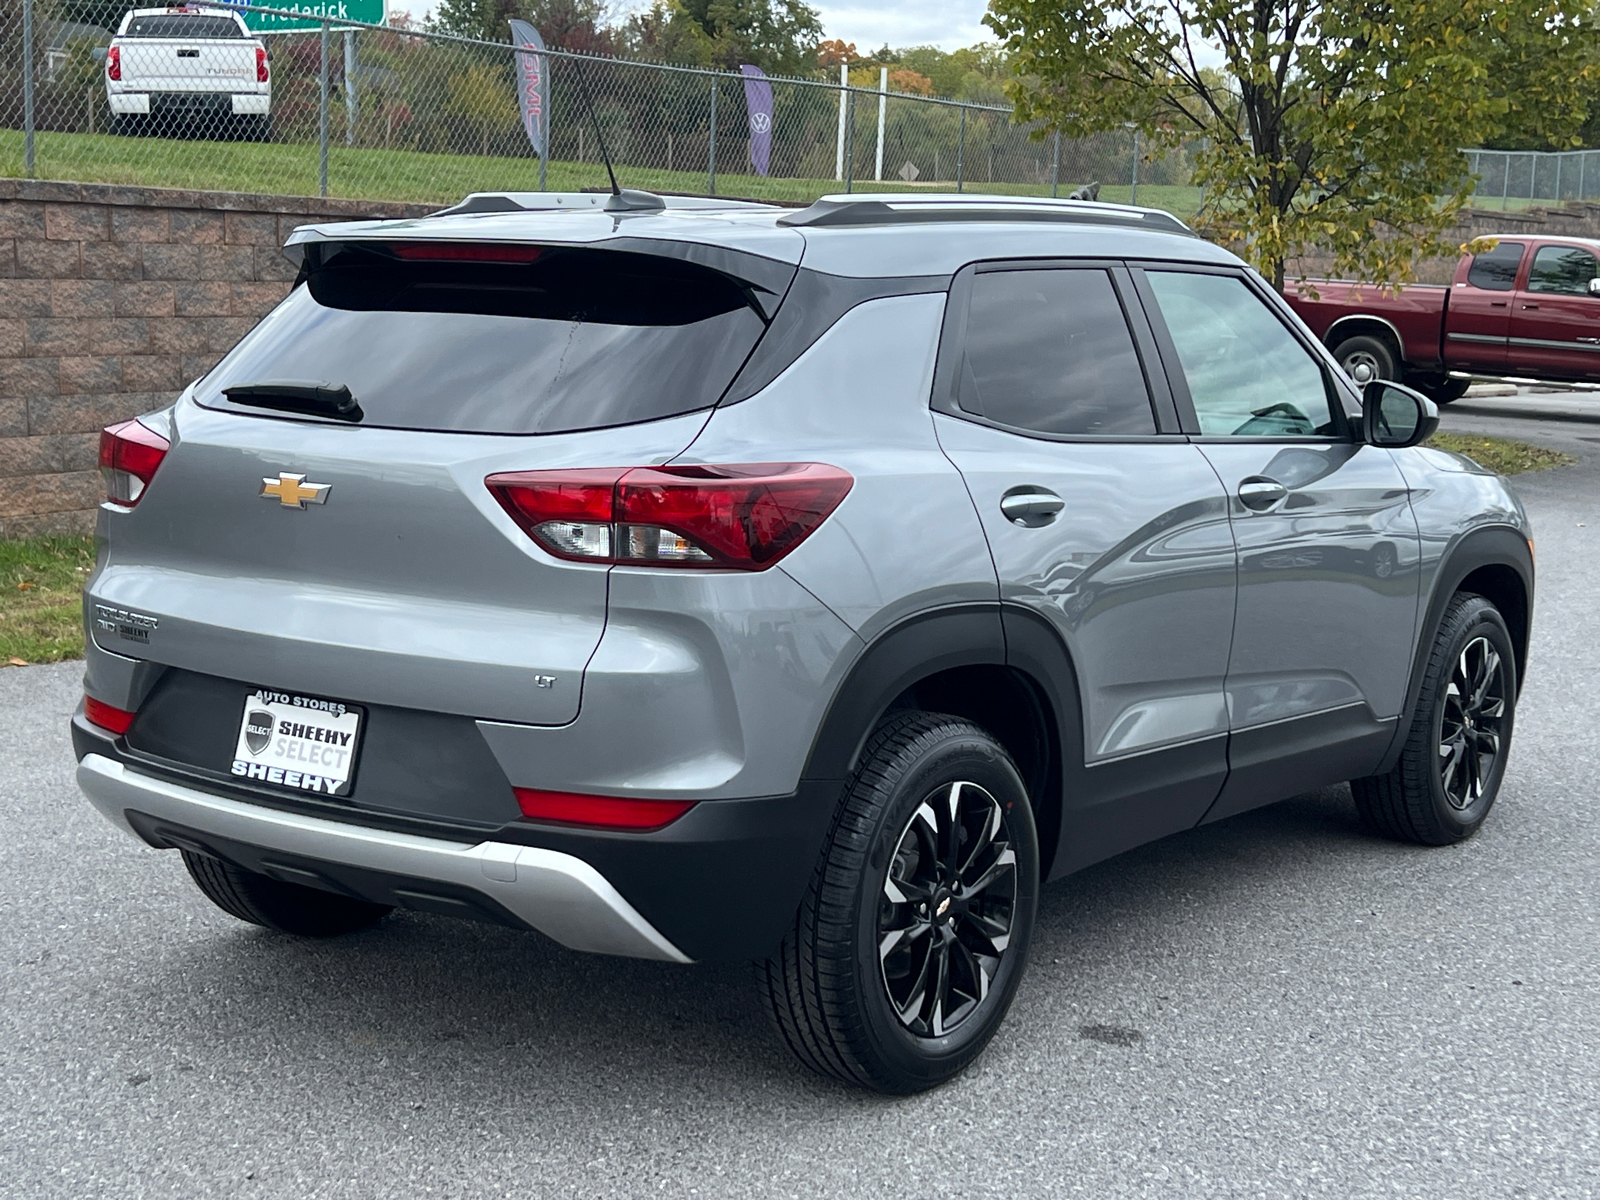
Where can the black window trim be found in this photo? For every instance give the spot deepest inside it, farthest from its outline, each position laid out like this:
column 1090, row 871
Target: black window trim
column 952, row 346
column 1333, row 379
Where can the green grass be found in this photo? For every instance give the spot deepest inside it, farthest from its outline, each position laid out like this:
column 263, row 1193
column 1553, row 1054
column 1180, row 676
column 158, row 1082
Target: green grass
column 408, row 175
column 1500, row 455
column 41, row 610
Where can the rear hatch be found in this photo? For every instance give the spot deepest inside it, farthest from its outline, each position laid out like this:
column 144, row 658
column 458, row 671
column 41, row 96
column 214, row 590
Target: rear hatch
column 186, row 52
column 357, row 555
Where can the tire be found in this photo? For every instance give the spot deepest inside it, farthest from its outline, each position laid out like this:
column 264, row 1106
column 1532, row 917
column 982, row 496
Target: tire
column 1447, row 391
column 1365, row 358
column 1450, row 768
column 855, row 1015
column 257, row 128
column 285, row 907
column 127, row 125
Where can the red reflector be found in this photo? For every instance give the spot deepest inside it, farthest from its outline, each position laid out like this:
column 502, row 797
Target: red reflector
column 744, row 516
column 261, row 64
column 99, row 713
column 603, row 812
column 130, row 453
column 464, row 252
column 114, row 64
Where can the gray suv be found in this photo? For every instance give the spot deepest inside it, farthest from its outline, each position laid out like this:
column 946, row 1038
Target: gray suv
column 700, row 580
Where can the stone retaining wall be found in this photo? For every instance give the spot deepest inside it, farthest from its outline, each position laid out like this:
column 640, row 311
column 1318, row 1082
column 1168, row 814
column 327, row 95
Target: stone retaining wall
column 111, row 300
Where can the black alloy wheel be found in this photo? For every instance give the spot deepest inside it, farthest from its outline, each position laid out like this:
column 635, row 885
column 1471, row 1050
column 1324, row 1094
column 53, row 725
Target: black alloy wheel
column 944, row 923
column 1470, row 724
column 1454, row 757
column 913, row 936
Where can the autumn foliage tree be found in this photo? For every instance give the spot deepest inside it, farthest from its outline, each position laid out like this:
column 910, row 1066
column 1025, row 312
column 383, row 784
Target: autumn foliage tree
column 1333, row 124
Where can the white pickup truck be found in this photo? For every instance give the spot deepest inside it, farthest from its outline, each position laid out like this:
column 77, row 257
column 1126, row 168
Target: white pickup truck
column 189, row 71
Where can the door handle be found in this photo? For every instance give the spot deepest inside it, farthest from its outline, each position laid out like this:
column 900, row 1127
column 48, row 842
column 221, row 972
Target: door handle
column 1530, row 306
column 1258, row 493
column 1497, row 304
column 1031, row 506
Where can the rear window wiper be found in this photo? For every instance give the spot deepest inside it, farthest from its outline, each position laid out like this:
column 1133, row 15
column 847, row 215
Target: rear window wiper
column 313, row 399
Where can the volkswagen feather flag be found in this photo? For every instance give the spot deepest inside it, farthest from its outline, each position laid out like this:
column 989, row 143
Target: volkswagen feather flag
column 758, row 100
column 533, row 88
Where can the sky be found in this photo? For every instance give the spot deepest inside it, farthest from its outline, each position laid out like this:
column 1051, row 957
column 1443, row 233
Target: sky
column 948, row 24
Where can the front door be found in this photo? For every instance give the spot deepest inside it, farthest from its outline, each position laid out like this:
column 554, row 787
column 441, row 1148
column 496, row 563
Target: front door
column 1555, row 319
column 1106, row 526
column 1327, row 543
column 1479, row 317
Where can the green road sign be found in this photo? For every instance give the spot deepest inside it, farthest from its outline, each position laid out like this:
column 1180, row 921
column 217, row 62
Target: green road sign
column 373, row 12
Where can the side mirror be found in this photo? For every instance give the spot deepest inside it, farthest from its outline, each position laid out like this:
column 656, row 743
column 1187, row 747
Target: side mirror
column 1394, row 416
column 99, row 54
column 1594, row 287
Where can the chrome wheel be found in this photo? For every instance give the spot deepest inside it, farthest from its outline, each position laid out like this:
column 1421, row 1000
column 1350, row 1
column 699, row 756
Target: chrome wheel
column 1362, row 366
column 1472, row 724
column 945, row 917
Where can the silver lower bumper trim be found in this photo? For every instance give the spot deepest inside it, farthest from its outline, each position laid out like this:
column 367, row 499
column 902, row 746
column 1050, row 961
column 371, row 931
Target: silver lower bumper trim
column 559, row 895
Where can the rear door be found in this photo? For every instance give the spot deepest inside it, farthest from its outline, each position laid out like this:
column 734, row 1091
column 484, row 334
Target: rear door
column 1327, row 543
column 1105, row 523
column 1555, row 319
column 1478, row 320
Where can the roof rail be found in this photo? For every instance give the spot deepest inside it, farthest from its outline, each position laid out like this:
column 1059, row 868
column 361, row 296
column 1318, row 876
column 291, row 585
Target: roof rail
column 899, row 209
column 599, row 201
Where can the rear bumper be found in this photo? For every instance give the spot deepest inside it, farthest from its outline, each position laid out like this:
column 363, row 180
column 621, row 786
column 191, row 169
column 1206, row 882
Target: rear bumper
column 723, row 882
column 195, row 103
column 558, row 894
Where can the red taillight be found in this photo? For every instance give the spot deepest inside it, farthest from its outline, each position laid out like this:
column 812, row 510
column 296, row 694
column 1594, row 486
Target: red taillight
column 464, row 252
column 742, row 516
column 102, row 714
column 129, row 456
column 114, row 64
column 261, row 64
column 602, row 812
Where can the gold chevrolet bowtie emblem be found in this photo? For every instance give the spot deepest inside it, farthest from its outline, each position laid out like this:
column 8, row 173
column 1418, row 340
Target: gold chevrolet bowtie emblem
column 292, row 491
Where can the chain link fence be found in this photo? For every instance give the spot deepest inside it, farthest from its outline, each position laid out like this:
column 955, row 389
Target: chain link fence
column 366, row 111
column 1525, row 178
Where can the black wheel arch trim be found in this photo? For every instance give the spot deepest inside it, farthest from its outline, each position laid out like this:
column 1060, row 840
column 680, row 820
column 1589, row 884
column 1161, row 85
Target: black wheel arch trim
column 919, row 646
column 936, row 641
column 1501, row 546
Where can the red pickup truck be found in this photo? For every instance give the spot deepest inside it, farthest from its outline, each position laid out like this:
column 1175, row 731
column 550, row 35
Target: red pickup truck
column 1527, row 309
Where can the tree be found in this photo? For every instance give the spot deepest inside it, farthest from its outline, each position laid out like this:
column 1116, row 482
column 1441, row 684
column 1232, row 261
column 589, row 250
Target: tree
column 579, row 25
column 1333, row 123
column 835, row 51
column 483, row 98
column 779, row 36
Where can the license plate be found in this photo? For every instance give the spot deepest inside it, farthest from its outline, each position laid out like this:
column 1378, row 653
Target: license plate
column 298, row 743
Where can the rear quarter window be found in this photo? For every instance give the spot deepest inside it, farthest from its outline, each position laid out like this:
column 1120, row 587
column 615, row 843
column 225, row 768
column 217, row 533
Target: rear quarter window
column 538, row 340
column 1496, row 270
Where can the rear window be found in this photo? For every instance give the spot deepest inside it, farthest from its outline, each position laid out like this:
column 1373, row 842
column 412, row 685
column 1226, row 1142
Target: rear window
column 475, row 338
column 1496, row 270
column 183, row 25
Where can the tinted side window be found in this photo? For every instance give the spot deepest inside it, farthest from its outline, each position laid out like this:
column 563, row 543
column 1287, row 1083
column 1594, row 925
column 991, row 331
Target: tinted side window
column 1248, row 376
column 1566, row 270
column 1050, row 352
column 1496, row 270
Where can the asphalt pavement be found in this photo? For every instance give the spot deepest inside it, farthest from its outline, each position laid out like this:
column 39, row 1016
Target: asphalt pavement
column 1275, row 1006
